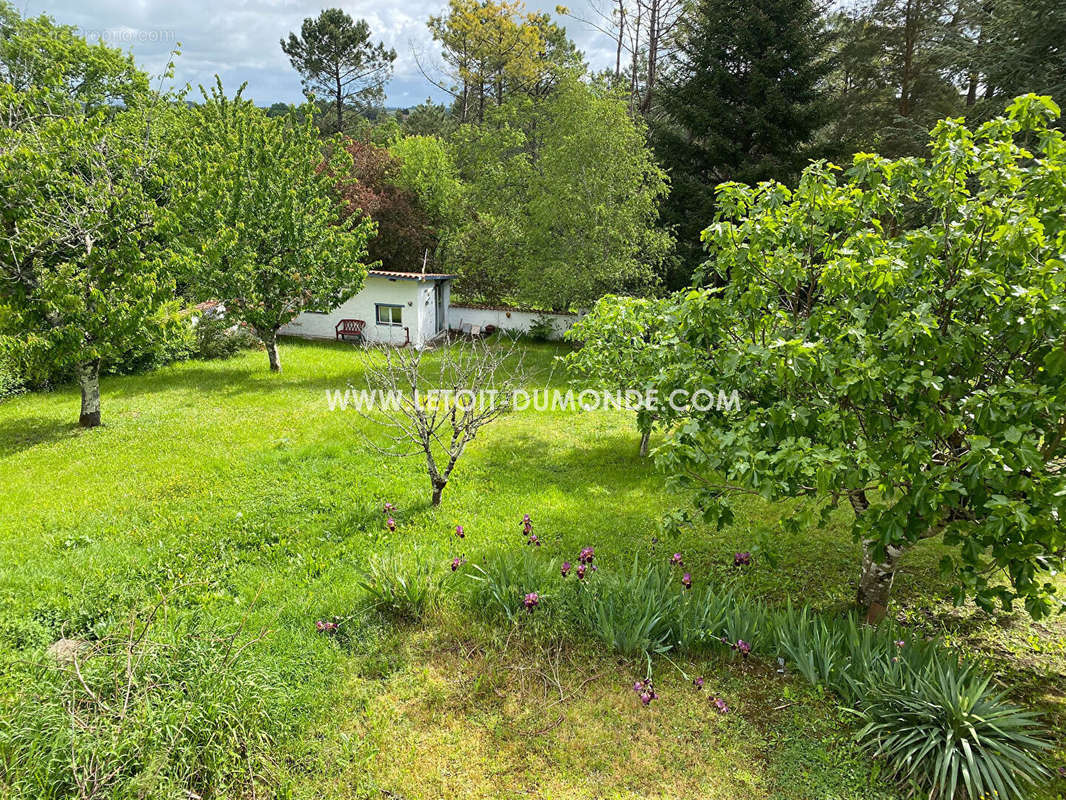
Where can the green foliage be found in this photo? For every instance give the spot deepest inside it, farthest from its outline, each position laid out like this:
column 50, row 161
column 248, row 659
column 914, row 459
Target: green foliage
column 944, row 730
column 541, row 329
column 425, row 167
column 494, row 51
column 82, row 193
column 217, row 337
column 740, row 101
column 896, row 72
column 576, row 149
column 428, row 119
column 337, row 60
column 929, row 715
column 1021, row 49
column 49, row 70
column 896, row 338
column 11, row 377
column 263, row 218
column 621, row 346
column 402, row 587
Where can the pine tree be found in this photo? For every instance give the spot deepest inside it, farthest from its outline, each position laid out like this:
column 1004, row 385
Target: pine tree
column 740, row 102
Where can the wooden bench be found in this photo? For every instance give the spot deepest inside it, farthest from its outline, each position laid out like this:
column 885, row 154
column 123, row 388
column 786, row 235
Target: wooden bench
column 350, row 327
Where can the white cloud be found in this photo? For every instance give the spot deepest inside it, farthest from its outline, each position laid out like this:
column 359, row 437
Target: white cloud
column 239, row 39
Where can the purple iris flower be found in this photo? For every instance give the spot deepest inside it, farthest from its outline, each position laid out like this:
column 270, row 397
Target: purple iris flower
column 459, row 531
column 741, row 559
column 580, row 571
column 533, row 540
column 698, row 683
column 743, row 647
column 900, row 643
column 586, row 555
column 457, row 562
column 719, row 703
column 675, row 560
column 388, row 507
column 686, row 581
column 325, row 627
column 532, row 601
column 645, row 691
column 390, row 523
column 565, row 569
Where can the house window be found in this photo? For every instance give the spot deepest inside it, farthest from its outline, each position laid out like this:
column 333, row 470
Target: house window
column 389, row 315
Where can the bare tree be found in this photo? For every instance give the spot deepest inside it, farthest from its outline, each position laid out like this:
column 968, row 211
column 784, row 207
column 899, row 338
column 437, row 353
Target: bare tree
column 436, row 405
column 646, row 30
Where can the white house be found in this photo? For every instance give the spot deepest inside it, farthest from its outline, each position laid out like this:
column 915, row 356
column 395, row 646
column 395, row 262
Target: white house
column 400, row 308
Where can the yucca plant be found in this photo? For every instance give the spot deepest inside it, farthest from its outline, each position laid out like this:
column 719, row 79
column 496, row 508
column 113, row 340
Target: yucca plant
column 399, row 587
column 943, row 729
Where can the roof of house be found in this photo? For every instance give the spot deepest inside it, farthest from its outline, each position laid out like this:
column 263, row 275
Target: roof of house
column 410, row 276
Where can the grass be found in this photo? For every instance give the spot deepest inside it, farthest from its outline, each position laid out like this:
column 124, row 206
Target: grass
column 239, row 497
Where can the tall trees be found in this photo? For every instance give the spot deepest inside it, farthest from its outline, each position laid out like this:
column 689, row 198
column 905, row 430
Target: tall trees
column 84, row 222
column 897, row 338
column 337, row 60
column 494, row 49
column 740, row 102
column 644, row 34
column 1022, row 48
column 561, row 201
column 901, row 65
column 268, row 239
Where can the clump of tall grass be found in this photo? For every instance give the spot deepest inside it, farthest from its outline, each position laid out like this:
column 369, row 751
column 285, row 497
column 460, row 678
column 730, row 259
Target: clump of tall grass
column 500, row 585
column 404, row 588
column 151, row 711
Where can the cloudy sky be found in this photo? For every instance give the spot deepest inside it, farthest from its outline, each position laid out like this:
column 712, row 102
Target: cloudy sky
column 239, row 39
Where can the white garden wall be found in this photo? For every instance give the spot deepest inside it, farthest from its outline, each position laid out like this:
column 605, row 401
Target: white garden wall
column 511, row 319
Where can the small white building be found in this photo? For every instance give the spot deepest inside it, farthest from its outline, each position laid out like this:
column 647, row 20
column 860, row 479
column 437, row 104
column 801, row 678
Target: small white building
column 398, row 308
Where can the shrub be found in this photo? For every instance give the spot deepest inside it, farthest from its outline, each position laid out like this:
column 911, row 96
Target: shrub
column 944, row 730
column 152, row 712
column 928, row 714
column 541, row 329
column 404, row 589
column 501, row 585
column 217, row 338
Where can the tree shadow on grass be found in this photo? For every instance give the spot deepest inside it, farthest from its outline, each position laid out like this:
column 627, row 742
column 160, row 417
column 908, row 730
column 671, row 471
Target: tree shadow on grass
column 23, row 433
column 220, row 381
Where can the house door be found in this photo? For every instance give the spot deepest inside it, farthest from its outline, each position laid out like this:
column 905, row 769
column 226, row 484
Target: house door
column 438, row 295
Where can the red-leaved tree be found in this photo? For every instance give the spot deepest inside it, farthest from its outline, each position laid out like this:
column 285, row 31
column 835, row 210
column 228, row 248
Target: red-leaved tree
column 405, row 233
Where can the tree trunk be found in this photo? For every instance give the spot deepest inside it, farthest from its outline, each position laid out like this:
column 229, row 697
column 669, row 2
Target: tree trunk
column 89, row 379
column 270, row 341
column 438, row 489
column 340, row 106
column 875, row 583
column 644, row 438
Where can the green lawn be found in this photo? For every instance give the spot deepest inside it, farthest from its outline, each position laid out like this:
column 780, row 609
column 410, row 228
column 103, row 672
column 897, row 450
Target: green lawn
column 240, row 498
